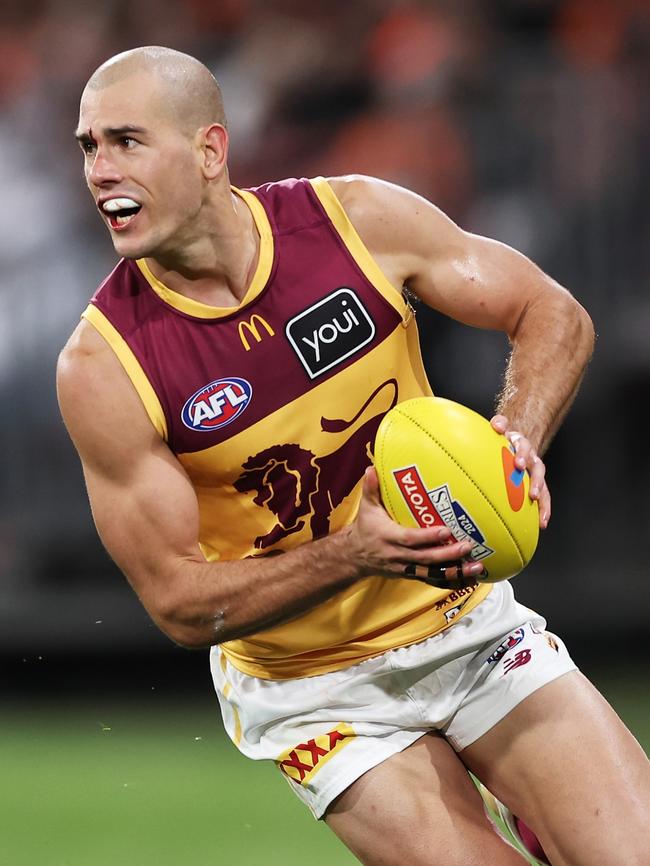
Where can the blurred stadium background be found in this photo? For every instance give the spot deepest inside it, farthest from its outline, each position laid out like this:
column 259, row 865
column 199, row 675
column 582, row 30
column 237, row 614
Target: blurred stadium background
column 525, row 120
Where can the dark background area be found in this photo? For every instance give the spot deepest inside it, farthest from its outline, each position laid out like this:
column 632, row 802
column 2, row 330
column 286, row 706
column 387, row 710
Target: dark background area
column 524, row 120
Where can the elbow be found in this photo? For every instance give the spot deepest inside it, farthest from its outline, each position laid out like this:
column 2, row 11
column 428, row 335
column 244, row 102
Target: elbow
column 190, row 628
column 203, row 632
column 567, row 323
column 188, row 637
column 586, row 331
column 196, row 619
column 195, row 633
column 576, row 317
column 579, row 336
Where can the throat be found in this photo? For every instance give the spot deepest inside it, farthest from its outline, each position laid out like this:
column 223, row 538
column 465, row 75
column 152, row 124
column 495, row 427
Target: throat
column 217, row 270
column 221, row 278
column 207, row 289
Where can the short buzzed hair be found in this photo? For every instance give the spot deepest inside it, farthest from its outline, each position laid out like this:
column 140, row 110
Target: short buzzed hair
column 188, row 88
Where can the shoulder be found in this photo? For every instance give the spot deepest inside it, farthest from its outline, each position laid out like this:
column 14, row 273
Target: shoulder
column 393, row 220
column 98, row 403
column 361, row 193
column 363, row 196
column 86, row 372
column 84, row 352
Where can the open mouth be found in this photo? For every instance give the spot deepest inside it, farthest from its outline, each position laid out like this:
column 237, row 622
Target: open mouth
column 120, row 212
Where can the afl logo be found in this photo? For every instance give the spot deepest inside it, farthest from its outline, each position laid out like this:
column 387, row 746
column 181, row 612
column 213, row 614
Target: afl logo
column 217, row 404
column 514, row 479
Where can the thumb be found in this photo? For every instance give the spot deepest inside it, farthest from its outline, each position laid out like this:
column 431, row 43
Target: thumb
column 371, row 486
column 500, row 423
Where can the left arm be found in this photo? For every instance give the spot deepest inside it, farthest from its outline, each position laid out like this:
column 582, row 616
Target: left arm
column 486, row 284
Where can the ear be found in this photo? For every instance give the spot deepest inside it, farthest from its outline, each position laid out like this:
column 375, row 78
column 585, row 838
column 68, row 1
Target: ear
column 214, row 144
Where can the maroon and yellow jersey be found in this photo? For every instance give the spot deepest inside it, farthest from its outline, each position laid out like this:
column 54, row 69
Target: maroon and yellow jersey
column 272, row 408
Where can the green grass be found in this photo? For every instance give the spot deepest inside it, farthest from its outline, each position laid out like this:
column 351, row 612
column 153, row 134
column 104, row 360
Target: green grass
column 109, row 786
column 112, row 783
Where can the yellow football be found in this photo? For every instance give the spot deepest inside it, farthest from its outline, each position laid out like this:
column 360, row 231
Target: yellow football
column 440, row 463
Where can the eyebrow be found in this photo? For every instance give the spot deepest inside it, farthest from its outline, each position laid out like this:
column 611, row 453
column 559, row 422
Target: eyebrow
column 111, row 132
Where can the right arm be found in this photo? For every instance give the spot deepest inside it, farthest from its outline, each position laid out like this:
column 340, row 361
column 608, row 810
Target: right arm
column 147, row 516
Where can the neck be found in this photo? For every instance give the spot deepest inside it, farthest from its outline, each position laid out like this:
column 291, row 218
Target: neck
column 217, row 268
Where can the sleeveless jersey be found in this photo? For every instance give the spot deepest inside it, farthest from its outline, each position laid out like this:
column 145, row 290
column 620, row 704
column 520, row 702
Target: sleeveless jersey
column 272, row 408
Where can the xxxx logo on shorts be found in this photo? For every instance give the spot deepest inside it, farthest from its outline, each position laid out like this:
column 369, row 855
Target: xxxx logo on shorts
column 301, row 762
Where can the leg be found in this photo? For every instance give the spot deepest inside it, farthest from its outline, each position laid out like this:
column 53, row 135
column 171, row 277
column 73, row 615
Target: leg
column 564, row 762
column 419, row 808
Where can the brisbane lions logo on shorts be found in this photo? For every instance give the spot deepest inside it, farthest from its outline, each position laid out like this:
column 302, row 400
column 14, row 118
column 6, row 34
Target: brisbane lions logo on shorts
column 299, row 487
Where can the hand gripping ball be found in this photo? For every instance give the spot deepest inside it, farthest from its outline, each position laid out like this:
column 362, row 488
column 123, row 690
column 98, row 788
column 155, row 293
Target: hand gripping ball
column 440, row 463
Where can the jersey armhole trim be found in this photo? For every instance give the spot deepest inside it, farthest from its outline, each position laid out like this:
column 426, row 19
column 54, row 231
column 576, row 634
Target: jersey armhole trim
column 131, row 366
column 358, row 250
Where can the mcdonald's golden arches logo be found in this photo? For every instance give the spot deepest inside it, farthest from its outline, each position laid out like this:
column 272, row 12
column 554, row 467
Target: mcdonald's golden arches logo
column 253, row 328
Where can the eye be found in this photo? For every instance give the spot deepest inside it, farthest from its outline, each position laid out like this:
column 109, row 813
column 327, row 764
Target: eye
column 127, row 142
column 88, row 146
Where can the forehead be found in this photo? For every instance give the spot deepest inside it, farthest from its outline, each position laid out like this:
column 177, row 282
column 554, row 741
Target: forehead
column 134, row 101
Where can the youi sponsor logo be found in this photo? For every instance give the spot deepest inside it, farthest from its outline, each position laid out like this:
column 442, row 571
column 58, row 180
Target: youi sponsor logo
column 330, row 331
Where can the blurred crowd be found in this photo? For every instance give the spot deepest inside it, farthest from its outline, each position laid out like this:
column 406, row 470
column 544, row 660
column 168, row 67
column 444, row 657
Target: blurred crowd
column 525, row 120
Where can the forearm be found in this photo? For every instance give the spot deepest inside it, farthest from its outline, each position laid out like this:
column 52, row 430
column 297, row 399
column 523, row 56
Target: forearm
column 551, row 348
column 198, row 604
column 201, row 603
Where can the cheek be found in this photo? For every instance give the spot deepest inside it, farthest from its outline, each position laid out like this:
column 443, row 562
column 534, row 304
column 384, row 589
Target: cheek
column 185, row 178
column 185, row 190
column 192, row 192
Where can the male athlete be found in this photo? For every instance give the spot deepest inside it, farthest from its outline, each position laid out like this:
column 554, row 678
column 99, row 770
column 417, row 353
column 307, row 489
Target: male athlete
column 223, row 390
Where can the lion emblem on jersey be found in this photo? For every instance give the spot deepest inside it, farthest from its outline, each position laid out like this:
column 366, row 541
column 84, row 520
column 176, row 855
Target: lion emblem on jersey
column 299, row 487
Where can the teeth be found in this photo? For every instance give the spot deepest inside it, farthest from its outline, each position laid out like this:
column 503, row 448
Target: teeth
column 115, row 204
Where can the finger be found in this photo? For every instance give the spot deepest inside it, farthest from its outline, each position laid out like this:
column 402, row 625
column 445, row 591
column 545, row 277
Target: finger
column 537, row 472
column 418, row 538
column 500, row 423
column 371, row 486
column 423, row 539
column 544, row 507
column 434, row 554
column 523, row 449
column 454, row 575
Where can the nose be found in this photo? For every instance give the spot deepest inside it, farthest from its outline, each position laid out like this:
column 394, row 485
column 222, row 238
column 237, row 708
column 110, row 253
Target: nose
column 103, row 171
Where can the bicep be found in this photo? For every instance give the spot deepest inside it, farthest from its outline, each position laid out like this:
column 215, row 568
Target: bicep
column 483, row 283
column 143, row 503
column 473, row 279
column 147, row 518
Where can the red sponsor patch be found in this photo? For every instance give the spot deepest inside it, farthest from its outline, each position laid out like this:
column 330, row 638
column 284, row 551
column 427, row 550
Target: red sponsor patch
column 416, row 497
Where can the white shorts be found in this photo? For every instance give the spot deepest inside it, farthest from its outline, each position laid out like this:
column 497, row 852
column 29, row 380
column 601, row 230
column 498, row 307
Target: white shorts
column 326, row 731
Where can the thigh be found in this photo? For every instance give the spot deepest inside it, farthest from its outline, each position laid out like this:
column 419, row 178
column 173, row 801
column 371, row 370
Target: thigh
column 564, row 762
column 419, row 808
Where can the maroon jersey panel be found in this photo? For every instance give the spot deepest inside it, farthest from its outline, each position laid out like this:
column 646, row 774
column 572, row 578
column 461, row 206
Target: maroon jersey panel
column 215, row 377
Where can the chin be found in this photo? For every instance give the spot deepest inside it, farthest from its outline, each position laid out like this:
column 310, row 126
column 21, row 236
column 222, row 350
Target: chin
column 129, row 249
